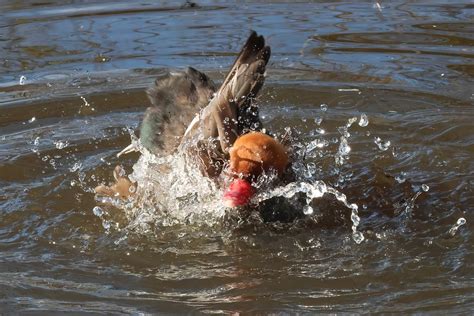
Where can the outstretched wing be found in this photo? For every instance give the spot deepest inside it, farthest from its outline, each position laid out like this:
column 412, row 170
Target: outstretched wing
column 176, row 97
column 226, row 115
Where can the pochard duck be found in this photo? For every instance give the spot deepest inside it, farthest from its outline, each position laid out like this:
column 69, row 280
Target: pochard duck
column 219, row 128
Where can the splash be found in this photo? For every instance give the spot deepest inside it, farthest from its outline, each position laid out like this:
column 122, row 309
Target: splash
column 313, row 191
column 461, row 221
column 382, row 145
column 172, row 191
column 364, row 120
column 22, row 81
column 344, row 149
column 61, row 144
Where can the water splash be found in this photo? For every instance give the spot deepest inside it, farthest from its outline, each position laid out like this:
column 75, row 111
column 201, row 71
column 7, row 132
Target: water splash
column 410, row 203
column 75, row 167
column 102, row 214
column 317, row 143
column 85, row 101
column 378, row 6
column 86, row 106
column 382, row 145
column 364, row 120
column 461, row 221
column 314, row 191
column 170, row 191
column 61, row 144
column 401, row 178
column 344, row 149
column 36, row 143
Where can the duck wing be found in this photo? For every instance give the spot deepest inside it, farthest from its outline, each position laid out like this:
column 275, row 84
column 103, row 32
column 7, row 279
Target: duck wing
column 176, row 97
column 227, row 114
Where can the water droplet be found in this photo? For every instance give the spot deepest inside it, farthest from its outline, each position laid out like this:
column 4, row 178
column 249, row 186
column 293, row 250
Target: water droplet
column 461, row 221
column 85, row 101
column 318, row 120
column 377, row 6
column 401, row 177
column 425, row 187
column 106, row 225
column 317, row 143
column 355, row 219
column 22, row 80
column 358, row 237
column 344, row 148
column 307, row 210
column 75, row 167
column 324, row 107
column 382, row 145
column 97, row 211
column 351, row 121
column 60, row 144
column 364, row 120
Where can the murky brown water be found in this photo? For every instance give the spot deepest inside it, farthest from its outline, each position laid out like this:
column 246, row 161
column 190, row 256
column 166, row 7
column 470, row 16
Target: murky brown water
column 72, row 80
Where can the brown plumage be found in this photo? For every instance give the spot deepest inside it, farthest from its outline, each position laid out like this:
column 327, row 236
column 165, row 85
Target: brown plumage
column 176, row 98
column 229, row 113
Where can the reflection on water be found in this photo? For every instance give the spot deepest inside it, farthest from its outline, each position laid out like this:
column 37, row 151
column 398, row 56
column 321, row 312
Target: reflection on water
column 379, row 96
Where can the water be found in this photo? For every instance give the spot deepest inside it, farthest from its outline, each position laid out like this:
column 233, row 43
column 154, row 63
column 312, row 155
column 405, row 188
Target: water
column 378, row 97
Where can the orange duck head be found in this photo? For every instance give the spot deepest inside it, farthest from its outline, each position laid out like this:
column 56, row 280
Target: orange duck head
column 252, row 155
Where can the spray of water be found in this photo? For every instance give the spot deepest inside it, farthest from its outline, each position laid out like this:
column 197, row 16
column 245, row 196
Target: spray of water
column 461, row 221
column 172, row 191
column 312, row 191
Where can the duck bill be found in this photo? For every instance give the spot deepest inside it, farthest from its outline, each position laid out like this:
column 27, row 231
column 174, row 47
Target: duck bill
column 129, row 149
column 239, row 193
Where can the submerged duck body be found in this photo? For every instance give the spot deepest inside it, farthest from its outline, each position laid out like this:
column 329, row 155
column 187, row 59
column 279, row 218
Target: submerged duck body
column 219, row 128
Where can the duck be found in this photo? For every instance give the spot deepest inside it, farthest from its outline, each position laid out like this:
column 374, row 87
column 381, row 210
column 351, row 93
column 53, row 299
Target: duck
column 219, row 128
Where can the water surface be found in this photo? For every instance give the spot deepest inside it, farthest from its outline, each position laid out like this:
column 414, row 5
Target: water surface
column 380, row 94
